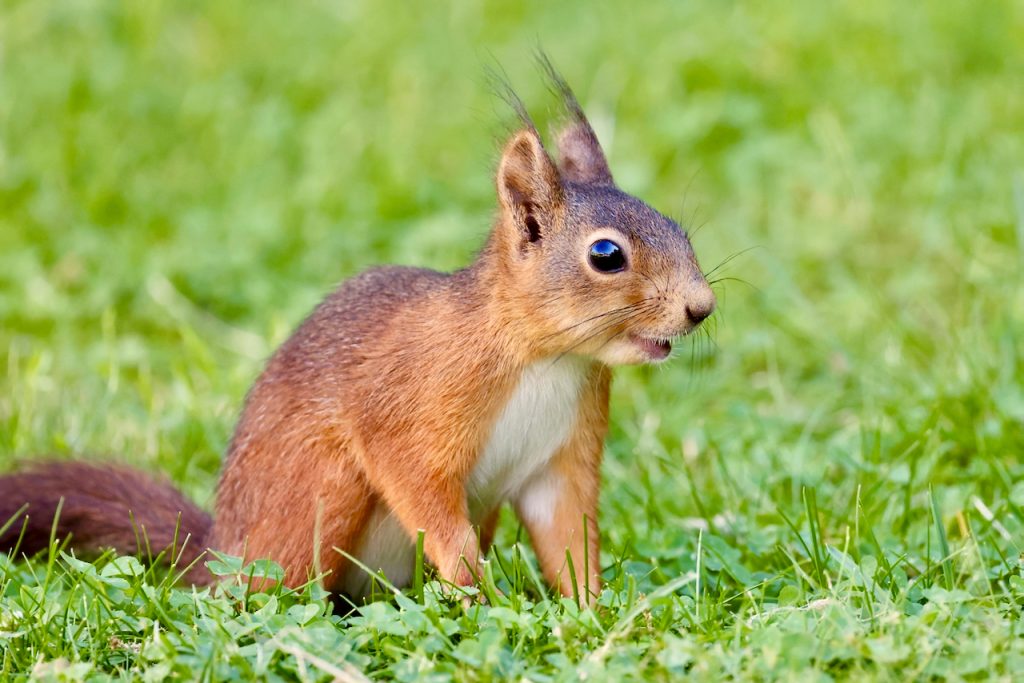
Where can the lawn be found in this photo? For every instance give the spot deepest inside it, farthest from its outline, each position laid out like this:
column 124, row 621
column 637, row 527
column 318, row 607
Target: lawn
column 828, row 486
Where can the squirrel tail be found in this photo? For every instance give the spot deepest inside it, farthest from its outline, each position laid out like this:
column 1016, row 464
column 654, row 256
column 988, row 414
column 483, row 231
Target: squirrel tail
column 102, row 506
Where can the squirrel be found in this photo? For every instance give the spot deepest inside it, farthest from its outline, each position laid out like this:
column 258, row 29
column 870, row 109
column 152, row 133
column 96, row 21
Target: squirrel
column 412, row 400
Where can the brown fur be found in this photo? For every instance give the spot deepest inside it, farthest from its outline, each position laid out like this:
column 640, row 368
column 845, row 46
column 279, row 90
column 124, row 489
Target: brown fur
column 389, row 390
column 102, row 506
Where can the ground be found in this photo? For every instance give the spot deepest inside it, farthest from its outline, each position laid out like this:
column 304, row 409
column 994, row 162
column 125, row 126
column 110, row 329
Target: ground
column 829, row 486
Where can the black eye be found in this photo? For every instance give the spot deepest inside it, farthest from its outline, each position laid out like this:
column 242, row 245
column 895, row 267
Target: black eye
column 607, row 257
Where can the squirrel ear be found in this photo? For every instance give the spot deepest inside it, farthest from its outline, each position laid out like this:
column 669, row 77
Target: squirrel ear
column 581, row 156
column 529, row 186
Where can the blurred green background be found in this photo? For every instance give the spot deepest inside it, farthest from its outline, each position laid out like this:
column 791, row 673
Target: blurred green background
column 181, row 182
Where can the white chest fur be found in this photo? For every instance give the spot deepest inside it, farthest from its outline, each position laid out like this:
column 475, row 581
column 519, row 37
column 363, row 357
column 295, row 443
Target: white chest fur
column 534, row 423
column 536, row 420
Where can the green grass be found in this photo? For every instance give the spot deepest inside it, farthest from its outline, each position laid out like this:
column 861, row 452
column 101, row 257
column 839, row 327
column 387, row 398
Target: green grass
column 831, row 489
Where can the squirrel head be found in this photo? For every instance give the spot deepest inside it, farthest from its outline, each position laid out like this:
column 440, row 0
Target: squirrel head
column 598, row 272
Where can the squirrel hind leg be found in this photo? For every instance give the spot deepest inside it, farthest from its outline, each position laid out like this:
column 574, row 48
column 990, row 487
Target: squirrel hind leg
column 297, row 517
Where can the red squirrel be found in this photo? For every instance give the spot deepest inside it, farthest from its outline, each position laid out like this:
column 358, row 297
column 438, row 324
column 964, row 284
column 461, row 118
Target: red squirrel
column 416, row 400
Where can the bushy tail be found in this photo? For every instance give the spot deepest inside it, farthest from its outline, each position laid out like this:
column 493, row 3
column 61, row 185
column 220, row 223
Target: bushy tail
column 105, row 506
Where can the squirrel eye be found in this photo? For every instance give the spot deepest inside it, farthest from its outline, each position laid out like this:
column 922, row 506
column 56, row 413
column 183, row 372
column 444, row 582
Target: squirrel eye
column 607, row 257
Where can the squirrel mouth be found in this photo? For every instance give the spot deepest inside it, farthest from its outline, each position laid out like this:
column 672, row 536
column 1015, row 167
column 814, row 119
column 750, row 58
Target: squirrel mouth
column 655, row 349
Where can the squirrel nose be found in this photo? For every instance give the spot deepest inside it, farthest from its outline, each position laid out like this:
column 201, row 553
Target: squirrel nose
column 698, row 313
column 700, row 308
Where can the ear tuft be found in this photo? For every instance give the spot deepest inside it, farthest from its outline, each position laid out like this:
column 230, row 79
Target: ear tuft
column 529, row 187
column 580, row 155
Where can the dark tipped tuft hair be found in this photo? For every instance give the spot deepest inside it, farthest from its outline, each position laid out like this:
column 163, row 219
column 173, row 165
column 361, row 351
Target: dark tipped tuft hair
column 560, row 87
column 501, row 85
